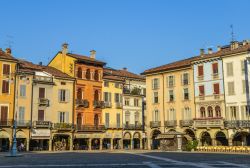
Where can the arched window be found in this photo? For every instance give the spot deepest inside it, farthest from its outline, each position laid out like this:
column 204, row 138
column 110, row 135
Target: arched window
column 137, row 118
column 96, row 96
column 210, row 111
column 202, row 112
column 217, row 111
column 79, row 93
column 88, row 74
column 79, row 72
column 96, row 76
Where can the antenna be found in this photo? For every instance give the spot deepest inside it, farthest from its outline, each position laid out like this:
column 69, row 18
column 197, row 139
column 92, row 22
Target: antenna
column 232, row 32
column 9, row 41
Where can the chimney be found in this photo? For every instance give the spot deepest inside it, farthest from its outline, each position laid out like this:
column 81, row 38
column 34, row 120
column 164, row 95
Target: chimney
column 64, row 48
column 218, row 48
column 202, row 51
column 92, row 54
column 125, row 69
column 40, row 63
column 8, row 50
column 210, row 51
column 234, row 45
column 245, row 42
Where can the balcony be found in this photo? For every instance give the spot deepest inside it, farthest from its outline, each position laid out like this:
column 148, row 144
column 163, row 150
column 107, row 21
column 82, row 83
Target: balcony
column 133, row 91
column 6, row 123
column 63, row 126
column 132, row 126
column 237, row 124
column 82, row 103
column 107, row 104
column 155, row 124
column 216, row 96
column 170, row 123
column 118, row 105
column 43, row 102
column 23, row 123
column 201, row 97
column 186, row 123
column 98, row 104
column 209, row 123
column 215, row 76
column 113, row 126
column 200, row 78
column 42, row 124
column 42, row 79
column 91, row 128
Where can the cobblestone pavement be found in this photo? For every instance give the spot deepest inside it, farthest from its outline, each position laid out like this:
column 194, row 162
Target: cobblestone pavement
column 121, row 159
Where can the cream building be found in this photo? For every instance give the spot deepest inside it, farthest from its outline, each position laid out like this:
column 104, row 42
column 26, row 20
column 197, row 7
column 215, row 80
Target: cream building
column 170, row 100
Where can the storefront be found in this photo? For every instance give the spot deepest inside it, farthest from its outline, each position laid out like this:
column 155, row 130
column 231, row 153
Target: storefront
column 4, row 141
column 127, row 141
column 61, row 142
column 21, row 141
column 81, row 141
column 40, row 139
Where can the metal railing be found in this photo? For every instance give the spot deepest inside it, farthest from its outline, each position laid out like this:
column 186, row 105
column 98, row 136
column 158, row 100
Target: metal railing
column 38, row 78
column 98, row 104
column 82, row 103
column 155, row 124
column 43, row 102
column 63, row 126
column 208, row 123
column 237, row 124
column 107, row 104
column 113, row 126
column 23, row 123
column 186, row 123
column 170, row 123
column 90, row 127
column 133, row 126
column 118, row 104
column 6, row 123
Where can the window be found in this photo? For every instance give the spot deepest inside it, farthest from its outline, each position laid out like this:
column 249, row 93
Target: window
column 170, row 81
column 233, row 112
column 155, row 83
column 40, row 115
column 126, row 102
column 244, row 86
column 22, row 90
column 136, row 102
column 96, row 76
column 216, row 88
column 155, row 100
column 201, row 90
column 215, row 68
column 230, row 69
column 21, row 113
column 242, row 67
column 185, row 79
column 186, row 94
column 5, row 86
column 117, row 97
column 6, row 69
column 79, row 72
column 156, row 115
column 4, row 114
column 202, row 112
column 107, row 97
column 172, row 114
column 63, row 95
column 200, row 70
column 79, row 94
column 210, row 111
column 117, row 85
column 137, row 118
column 63, row 117
column 127, row 117
column 41, row 92
column 230, row 88
column 88, row 74
column 118, row 120
column 96, row 95
column 187, row 114
column 171, row 95
column 107, row 120
column 217, row 111
column 106, row 84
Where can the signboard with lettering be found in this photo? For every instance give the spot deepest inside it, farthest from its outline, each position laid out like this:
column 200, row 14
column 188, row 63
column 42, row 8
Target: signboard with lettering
column 40, row 133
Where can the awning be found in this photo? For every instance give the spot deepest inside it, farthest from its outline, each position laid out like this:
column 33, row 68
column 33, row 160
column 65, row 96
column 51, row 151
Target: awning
column 37, row 137
column 188, row 137
column 4, row 134
column 20, row 134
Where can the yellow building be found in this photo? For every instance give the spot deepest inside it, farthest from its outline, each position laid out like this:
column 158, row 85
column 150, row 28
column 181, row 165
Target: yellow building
column 170, row 100
column 112, row 113
column 7, row 97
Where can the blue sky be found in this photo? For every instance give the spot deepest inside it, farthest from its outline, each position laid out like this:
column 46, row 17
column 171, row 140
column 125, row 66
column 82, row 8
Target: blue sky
column 137, row 34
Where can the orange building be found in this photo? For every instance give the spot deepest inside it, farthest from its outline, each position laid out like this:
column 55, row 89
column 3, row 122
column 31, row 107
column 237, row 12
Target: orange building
column 88, row 89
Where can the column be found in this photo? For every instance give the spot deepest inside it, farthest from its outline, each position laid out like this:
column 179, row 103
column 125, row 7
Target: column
column 141, row 143
column 199, row 142
column 121, row 143
column 149, row 144
column 10, row 146
column 28, row 145
column 111, row 144
column 179, row 142
column 244, row 140
column 90, row 140
column 71, row 143
column 230, row 142
column 131, row 144
column 100, row 144
column 50, row 144
column 214, row 142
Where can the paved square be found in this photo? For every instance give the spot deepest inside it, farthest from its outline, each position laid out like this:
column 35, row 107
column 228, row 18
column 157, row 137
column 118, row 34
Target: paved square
column 126, row 159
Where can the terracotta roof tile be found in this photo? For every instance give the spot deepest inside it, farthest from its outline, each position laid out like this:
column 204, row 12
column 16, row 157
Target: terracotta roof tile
column 123, row 73
column 85, row 58
column 4, row 55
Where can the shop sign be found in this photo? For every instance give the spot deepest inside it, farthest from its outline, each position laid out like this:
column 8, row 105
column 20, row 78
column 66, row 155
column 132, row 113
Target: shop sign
column 40, row 133
column 118, row 135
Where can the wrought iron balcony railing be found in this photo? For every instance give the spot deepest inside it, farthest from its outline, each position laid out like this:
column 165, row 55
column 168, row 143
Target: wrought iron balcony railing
column 6, row 123
column 118, row 105
column 43, row 102
column 98, row 104
column 133, row 126
column 186, row 123
column 237, row 124
column 155, row 124
column 90, row 128
column 208, row 122
column 63, row 126
column 107, row 104
column 170, row 123
column 23, row 123
column 82, row 103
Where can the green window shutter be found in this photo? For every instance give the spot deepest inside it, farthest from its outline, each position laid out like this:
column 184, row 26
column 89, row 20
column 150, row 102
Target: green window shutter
column 59, row 95
column 67, row 95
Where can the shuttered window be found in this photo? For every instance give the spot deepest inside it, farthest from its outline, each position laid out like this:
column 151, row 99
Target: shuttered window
column 63, row 117
column 230, row 69
column 215, row 68
column 186, row 94
column 41, row 92
column 118, row 120
column 155, row 98
column 22, row 90
column 155, row 83
column 216, row 88
column 21, row 113
column 40, row 115
column 200, row 70
column 201, row 90
column 230, row 88
column 171, row 81
column 5, row 86
column 63, row 95
column 107, row 120
column 171, row 95
column 4, row 114
column 185, row 79
column 6, row 69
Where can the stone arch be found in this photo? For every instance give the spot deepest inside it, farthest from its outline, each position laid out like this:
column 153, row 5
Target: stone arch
column 221, row 138
column 205, row 138
column 20, row 134
column 155, row 141
column 127, row 135
column 190, row 133
column 4, row 134
column 137, row 135
column 241, row 138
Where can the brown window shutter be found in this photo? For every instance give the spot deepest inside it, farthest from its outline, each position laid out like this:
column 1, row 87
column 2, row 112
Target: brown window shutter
column 6, row 69
column 40, row 115
column 201, row 89
column 200, row 70
column 216, row 88
column 41, row 92
column 215, row 68
column 4, row 113
column 5, row 86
